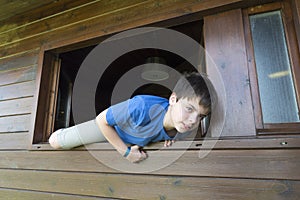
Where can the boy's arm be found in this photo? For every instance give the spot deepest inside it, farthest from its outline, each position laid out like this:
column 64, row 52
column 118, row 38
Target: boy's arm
column 113, row 138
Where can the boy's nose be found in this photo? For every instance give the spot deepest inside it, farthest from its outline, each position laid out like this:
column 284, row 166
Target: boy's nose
column 193, row 119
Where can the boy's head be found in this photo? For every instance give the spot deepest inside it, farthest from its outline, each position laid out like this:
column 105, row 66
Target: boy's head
column 194, row 85
column 189, row 103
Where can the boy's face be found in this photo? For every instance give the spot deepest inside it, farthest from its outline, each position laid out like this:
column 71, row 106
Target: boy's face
column 186, row 113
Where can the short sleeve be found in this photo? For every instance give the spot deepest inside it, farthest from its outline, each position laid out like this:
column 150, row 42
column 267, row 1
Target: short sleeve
column 139, row 120
column 130, row 113
column 114, row 114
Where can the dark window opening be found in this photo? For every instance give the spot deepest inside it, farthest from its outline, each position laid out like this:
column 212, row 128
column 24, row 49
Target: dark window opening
column 71, row 61
column 70, row 64
column 127, row 62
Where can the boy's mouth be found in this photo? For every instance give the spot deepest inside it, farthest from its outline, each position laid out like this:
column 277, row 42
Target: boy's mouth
column 186, row 127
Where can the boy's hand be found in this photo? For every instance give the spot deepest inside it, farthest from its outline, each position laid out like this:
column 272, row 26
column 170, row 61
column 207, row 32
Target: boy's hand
column 136, row 155
column 169, row 143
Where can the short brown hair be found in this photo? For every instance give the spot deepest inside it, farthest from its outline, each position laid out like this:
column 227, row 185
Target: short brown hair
column 192, row 85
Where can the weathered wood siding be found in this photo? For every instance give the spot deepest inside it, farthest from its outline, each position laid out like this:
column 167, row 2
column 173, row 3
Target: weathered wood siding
column 17, row 86
column 235, row 169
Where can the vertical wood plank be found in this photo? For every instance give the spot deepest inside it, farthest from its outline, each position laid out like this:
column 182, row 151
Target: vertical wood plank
column 296, row 15
column 292, row 34
column 52, row 98
column 252, row 72
column 225, row 44
column 45, row 76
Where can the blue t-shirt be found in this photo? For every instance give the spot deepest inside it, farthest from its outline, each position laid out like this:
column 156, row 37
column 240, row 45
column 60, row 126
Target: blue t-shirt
column 139, row 120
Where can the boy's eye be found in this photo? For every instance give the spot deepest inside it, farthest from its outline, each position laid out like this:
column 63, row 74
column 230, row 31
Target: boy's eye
column 189, row 109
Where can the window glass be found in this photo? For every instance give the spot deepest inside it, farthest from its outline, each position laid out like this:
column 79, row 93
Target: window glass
column 276, row 87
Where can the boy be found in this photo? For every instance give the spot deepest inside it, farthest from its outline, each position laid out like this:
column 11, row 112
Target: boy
column 143, row 119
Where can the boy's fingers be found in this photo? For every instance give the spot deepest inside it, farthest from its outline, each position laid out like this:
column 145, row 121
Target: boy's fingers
column 144, row 155
column 168, row 143
column 136, row 155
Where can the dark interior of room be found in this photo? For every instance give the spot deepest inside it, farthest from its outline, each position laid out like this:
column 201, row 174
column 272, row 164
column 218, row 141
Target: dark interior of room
column 72, row 60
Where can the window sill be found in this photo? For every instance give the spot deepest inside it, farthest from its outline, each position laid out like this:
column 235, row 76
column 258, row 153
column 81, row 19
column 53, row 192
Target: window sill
column 207, row 144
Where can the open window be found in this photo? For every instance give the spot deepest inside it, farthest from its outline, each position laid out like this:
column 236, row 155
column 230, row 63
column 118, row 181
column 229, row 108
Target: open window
column 59, row 72
column 274, row 68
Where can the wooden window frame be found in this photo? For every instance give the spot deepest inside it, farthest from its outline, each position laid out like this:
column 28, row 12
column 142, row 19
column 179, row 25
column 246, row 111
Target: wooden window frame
column 48, row 76
column 293, row 50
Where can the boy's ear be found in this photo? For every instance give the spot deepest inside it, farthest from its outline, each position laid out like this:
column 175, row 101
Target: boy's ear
column 173, row 98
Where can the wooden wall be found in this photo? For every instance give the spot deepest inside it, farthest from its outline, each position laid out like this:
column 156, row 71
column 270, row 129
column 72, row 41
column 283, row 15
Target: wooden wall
column 245, row 168
column 228, row 53
column 296, row 5
column 17, row 86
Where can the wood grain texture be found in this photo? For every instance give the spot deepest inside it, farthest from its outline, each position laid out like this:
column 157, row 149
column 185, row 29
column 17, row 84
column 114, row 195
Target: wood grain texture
column 16, row 107
column 203, row 144
column 293, row 46
column 225, row 45
column 148, row 187
column 18, row 75
column 248, row 168
column 18, row 90
column 17, row 141
column 19, row 60
column 19, row 6
column 24, row 16
column 296, row 15
column 15, row 194
column 264, row 164
column 75, row 25
column 63, row 20
column 18, row 123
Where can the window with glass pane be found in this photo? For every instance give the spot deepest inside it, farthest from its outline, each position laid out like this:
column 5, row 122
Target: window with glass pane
column 275, row 81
